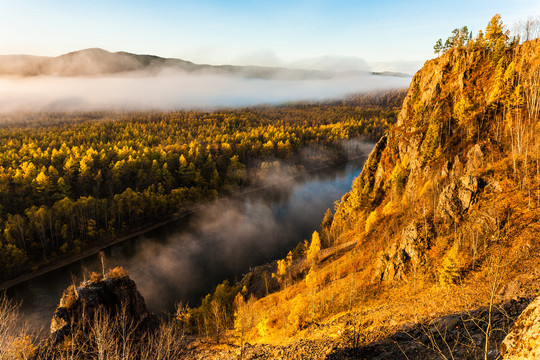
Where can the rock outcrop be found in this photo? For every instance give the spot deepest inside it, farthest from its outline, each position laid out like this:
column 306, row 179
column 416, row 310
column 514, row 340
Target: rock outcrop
column 523, row 340
column 458, row 196
column 80, row 305
column 475, row 159
column 405, row 255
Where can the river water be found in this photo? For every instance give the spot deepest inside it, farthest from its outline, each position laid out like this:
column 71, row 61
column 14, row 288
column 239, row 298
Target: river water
column 186, row 259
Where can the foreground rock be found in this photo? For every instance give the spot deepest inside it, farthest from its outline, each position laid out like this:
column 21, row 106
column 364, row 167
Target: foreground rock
column 523, row 340
column 80, row 306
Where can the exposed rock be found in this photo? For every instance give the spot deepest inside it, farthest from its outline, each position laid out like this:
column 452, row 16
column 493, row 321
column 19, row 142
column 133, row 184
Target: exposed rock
column 259, row 281
column 523, row 340
column 410, row 148
column 457, row 168
column 79, row 306
column 475, row 159
column 297, row 350
column 379, row 176
column 373, row 164
column 445, row 171
column 522, row 285
column 303, row 349
column 457, row 197
column 408, row 253
column 493, row 186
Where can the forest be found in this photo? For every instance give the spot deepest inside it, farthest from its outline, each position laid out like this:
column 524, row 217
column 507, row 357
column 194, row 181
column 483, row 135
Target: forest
column 72, row 181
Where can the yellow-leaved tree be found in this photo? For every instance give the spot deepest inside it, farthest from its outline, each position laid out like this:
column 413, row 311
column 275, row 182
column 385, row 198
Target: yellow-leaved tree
column 244, row 321
column 314, row 249
column 449, row 272
column 282, row 275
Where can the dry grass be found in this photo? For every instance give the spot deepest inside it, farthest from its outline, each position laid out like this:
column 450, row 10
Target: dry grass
column 15, row 343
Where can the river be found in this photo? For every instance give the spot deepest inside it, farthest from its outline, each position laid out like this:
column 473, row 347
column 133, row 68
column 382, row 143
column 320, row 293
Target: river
column 186, row 259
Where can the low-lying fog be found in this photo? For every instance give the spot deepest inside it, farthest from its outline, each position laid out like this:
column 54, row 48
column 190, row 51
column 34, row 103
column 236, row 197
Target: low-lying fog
column 173, row 90
column 186, row 259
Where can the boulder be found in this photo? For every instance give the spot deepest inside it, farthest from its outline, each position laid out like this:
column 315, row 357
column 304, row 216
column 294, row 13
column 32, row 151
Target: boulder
column 475, row 159
column 523, row 340
column 408, row 253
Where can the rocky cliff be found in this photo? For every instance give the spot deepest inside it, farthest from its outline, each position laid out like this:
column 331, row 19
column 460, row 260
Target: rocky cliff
column 444, row 219
column 467, row 132
column 448, row 203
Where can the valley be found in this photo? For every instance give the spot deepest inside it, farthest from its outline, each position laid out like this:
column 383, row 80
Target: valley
column 185, row 259
column 385, row 225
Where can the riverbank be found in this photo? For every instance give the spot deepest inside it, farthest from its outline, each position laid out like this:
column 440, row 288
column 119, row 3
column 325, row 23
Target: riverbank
column 93, row 250
column 87, row 252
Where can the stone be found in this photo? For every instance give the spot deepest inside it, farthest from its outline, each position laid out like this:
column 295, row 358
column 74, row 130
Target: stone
column 409, row 252
column 475, row 159
column 523, row 340
column 457, row 167
column 458, row 196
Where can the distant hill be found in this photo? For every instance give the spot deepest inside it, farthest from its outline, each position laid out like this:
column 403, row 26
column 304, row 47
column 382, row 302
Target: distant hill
column 99, row 62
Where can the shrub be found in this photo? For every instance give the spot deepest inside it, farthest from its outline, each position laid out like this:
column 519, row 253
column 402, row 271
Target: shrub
column 95, row 277
column 69, row 297
column 389, row 208
column 117, row 272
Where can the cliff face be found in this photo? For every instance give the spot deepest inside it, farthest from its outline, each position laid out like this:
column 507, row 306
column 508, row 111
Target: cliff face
column 467, row 134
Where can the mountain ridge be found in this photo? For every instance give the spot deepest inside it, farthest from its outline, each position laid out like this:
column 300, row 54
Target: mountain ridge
column 100, row 62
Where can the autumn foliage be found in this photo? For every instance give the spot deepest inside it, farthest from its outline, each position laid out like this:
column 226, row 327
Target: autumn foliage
column 71, row 181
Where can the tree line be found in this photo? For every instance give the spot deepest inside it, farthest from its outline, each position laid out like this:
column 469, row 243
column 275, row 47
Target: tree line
column 496, row 36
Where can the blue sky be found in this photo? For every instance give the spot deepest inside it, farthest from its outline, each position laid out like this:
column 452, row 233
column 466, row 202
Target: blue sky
column 392, row 35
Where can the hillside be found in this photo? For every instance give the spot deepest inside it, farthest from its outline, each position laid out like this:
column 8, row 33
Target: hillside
column 443, row 221
column 99, row 62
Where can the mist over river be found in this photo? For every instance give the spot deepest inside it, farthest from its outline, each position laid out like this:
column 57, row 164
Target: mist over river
column 186, row 259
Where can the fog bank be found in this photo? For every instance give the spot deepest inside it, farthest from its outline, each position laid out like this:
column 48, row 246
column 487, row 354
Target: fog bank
column 228, row 236
column 173, row 90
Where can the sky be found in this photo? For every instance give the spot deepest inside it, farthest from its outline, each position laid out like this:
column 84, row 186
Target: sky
column 382, row 35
